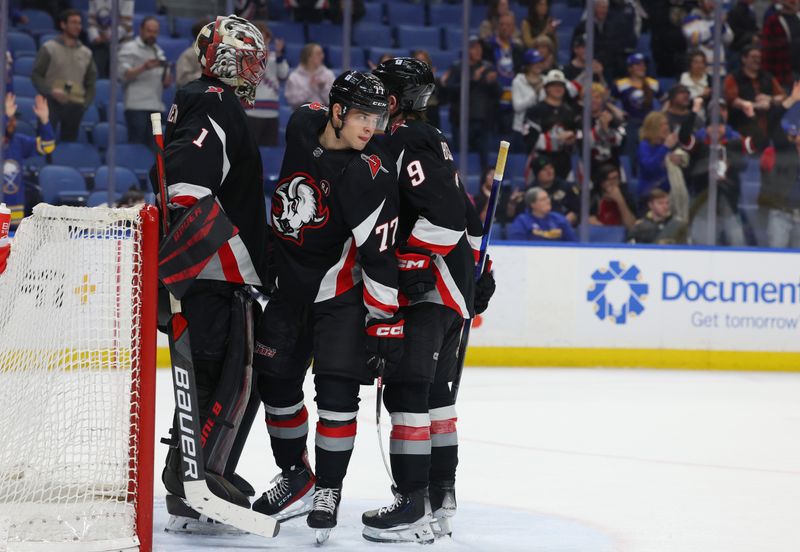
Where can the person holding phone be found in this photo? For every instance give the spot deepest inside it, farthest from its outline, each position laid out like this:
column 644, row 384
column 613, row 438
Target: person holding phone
column 145, row 73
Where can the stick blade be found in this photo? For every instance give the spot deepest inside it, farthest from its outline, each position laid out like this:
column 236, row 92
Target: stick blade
column 201, row 499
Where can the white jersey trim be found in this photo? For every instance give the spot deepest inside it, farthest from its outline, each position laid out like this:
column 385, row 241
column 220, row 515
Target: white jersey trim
column 363, row 231
column 327, row 286
column 226, row 164
column 425, row 231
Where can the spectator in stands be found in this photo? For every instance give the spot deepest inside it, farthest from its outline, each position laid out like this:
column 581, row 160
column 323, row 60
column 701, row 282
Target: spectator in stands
column 750, row 91
column 551, row 124
column 742, row 20
column 9, row 73
column 614, row 38
column 308, row 11
column 310, row 81
column 481, row 199
column 505, row 53
column 602, row 38
column 188, row 67
column 780, row 41
column 132, row 197
column 99, row 30
column 249, row 9
column 335, row 11
column 145, row 73
column 564, row 196
column 64, row 72
column 611, row 204
column 698, row 28
column 733, row 161
column 637, row 94
column 263, row 118
column 608, row 130
column 497, row 9
column 17, row 148
column 574, row 70
column 695, row 78
column 432, row 111
column 657, row 141
column 525, row 91
column 667, row 42
column 780, row 176
column 658, row 225
column 484, row 93
column 384, row 57
column 680, row 105
column 540, row 223
column 547, row 49
column 539, row 23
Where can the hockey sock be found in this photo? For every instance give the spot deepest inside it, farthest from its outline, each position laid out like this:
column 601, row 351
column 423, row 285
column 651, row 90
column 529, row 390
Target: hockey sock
column 286, row 417
column 337, row 405
column 444, row 438
column 410, row 440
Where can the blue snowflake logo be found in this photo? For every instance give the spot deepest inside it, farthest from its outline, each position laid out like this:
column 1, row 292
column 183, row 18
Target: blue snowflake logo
column 617, row 292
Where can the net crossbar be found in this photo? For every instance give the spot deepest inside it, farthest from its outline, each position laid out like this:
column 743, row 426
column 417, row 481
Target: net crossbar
column 71, row 369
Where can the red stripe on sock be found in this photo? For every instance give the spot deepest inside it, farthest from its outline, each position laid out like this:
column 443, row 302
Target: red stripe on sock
column 348, row 430
column 411, row 433
column 300, row 419
column 443, row 426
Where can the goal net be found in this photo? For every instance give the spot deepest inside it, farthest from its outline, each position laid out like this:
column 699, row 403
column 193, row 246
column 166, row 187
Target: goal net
column 77, row 360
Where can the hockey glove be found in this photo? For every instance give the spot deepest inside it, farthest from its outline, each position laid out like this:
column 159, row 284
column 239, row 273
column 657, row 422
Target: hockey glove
column 484, row 288
column 416, row 277
column 384, row 341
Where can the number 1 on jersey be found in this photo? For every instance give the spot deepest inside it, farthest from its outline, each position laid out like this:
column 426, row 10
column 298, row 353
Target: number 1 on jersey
column 383, row 232
column 199, row 141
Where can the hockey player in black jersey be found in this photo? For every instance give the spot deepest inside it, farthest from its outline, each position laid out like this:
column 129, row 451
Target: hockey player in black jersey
column 334, row 222
column 438, row 239
column 209, row 151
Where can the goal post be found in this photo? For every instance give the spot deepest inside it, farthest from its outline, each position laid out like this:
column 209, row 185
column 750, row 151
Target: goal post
column 77, row 380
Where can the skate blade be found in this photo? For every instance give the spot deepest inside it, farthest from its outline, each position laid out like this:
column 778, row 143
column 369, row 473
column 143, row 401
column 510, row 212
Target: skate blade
column 421, row 533
column 202, row 526
column 322, row 535
column 442, row 525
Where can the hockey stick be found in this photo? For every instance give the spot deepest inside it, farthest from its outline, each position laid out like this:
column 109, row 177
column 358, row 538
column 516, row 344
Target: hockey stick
column 488, row 222
column 378, row 401
column 193, row 475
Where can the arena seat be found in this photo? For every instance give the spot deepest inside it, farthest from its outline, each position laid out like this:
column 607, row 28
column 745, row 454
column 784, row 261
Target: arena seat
column 82, row 157
column 606, row 234
column 408, row 14
column 124, row 179
column 410, row 36
column 374, row 36
column 55, row 180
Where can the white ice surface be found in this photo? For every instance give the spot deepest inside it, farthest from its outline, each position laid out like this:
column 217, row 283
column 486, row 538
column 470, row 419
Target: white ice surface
column 594, row 460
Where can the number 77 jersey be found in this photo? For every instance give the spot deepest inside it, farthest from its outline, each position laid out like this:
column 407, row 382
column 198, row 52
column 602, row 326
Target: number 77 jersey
column 435, row 212
column 334, row 217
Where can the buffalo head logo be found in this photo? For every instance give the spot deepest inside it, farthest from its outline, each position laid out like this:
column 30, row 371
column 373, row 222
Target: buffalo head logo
column 297, row 205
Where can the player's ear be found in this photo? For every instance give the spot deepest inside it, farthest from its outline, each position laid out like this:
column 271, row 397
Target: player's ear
column 392, row 104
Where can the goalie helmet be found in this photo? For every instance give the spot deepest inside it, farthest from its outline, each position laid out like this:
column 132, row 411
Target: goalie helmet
column 411, row 80
column 233, row 50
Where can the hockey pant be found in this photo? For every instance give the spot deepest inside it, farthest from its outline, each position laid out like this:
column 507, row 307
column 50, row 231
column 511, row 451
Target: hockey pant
column 287, row 423
column 220, row 318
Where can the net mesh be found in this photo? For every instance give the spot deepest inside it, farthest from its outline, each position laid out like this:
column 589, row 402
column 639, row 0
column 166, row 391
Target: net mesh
column 69, row 373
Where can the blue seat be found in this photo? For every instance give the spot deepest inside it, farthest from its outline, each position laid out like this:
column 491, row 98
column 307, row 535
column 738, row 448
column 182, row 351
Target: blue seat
column 21, row 44
column 25, row 109
column 294, row 33
column 26, row 128
column 90, row 117
column 325, row 34
column 477, row 15
column 100, row 135
column 124, row 179
column 136, row 157
column 292, row 53
column 174, row 47
column 498, row 233
column 38, row 20
column 375, row 54
column 473, row 184
column 442, row 59
column 515, row 165
column 429, row 38
column 55, row 179
column 101, row 198
column 44, row 37
column 333, row 56
column 102, row 94
column 410, row 14
column 446, row 14
column 168, row 96
column 23, row 86
column 376, row 36
column 182, row 26
column 452, row 38
column 606, row 234
column 373, row 13
column 271, row 160
column 83, row 157
column 284, row 112
column 23, row 66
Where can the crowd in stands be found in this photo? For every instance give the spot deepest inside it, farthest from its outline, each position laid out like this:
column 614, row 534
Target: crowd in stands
column 650, row 128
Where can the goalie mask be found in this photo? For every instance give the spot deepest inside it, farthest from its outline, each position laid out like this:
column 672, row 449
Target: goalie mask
column 233, row 50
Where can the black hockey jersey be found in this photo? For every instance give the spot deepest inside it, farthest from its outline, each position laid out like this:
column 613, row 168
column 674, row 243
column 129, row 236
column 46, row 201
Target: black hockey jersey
column 209, row 150
column 435, row 212
column 334, row 218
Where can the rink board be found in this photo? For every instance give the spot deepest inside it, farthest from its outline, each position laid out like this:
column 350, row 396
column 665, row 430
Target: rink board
column 642, row 306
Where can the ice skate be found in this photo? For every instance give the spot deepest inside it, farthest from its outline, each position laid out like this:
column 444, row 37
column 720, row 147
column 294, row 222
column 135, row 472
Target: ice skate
column 408, row 519
column 326, row 509
column 443, row 505
column 290, row 493
column 185, row 519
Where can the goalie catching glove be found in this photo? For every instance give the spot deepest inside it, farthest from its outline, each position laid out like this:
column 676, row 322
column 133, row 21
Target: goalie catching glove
column 484, row 288
column 384, row 342
column 415, row 277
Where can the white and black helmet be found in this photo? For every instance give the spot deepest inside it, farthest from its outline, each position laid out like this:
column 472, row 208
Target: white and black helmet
column 233, row 50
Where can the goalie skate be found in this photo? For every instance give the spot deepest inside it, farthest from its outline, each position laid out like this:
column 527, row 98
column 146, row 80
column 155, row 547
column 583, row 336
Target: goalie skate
column 185, row 519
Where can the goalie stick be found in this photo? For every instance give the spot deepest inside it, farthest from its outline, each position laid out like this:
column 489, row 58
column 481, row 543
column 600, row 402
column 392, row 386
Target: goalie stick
column 197, row 492
column 488, row 222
